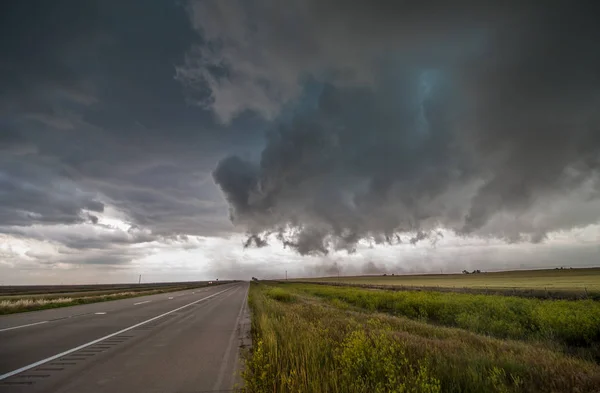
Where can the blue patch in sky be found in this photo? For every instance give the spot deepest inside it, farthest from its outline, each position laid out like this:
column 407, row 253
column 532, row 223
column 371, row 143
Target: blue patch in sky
column 427, row 82
column 307, row 102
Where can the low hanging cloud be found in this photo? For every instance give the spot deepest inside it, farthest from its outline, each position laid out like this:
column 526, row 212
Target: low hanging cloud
column 480, row 119
column 31, row 195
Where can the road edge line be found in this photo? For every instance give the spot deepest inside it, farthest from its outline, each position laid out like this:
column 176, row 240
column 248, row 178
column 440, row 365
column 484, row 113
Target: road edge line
column 22, row 326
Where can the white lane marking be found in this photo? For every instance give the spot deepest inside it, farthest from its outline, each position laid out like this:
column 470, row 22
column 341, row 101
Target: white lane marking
column 225, row 361
column 171, row 298
column 237, row 363
column 100, row 313
column 22, row 326
column 70, row 316
column 59, row 355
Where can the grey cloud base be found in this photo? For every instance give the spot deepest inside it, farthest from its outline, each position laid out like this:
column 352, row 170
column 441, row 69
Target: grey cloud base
column 484, row 125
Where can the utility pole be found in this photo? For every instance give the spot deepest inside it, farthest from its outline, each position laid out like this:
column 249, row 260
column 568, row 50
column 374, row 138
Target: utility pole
column 286, row 275
column 140, row 280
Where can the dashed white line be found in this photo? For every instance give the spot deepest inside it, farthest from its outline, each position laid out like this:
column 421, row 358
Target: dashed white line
column 71, row 316
column 22, row 326
column 59, row 355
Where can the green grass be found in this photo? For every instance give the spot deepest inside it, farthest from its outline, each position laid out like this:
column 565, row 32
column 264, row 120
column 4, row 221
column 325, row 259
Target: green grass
column 18, row 304
column 314, row 344
column 566, row 279
column 573, row 324
column 281, row 295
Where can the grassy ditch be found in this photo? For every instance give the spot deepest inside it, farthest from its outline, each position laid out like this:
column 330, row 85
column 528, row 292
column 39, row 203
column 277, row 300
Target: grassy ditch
column 309, row 343
column 574, row 325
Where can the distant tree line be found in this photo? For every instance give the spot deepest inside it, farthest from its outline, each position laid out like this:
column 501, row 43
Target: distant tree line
column 477, row 271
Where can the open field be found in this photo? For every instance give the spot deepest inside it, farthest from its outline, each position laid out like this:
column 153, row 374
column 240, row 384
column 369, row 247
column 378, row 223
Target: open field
column 316, row 338
column 552, row 279
column 30, row 298
column 561, row 283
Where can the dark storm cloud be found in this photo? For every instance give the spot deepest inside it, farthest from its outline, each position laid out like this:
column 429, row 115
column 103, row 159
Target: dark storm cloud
column 85, row 238
column 91, row 117
column 28, row 196
column 480, row 118
column 109, row 257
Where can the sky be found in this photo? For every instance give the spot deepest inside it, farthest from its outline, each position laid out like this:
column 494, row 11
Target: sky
column 203, row 139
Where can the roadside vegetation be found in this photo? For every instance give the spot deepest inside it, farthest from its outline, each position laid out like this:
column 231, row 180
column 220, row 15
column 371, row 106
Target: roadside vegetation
column 314, row 338
column 17, row 304
column 574, row 325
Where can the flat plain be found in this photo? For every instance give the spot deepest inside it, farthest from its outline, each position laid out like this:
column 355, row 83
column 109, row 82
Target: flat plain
column 550, row 279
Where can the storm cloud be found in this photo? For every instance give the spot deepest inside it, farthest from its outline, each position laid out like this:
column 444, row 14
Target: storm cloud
column 394, row 120
column 92, row 117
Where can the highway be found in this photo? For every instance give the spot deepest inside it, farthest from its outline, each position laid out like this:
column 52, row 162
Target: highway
column 179, row 342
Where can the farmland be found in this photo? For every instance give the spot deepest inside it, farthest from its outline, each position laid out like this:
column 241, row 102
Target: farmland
column 14, row 299
column 319, row 338
column 551, row 279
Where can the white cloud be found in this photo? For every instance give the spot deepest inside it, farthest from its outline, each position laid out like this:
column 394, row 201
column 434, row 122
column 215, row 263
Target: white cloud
column 202, row 258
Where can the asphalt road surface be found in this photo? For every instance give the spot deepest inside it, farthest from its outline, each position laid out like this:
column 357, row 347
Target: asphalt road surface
column 179, row 342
